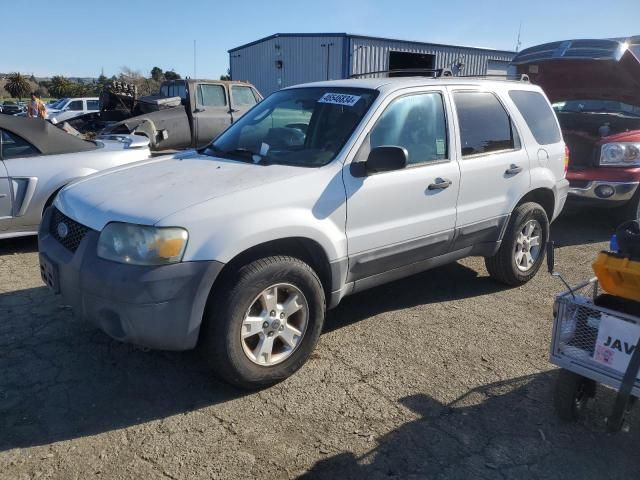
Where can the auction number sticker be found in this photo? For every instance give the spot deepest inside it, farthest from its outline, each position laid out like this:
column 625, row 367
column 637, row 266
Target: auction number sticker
column 617, row 340
column 340, row 99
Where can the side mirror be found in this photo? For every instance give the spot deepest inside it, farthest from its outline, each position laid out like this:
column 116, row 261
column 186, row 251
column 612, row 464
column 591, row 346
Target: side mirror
column 551, row 257
column 386, row 159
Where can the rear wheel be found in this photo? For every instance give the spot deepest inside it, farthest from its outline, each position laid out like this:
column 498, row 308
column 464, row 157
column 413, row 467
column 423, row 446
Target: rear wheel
column 523, row 246
column 263, row 323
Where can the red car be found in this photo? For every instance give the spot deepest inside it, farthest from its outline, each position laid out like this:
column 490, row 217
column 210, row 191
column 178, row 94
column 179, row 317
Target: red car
column 594, row 86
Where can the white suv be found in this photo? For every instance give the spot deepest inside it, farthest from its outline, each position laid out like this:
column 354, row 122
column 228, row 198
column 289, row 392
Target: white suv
column 318, row 192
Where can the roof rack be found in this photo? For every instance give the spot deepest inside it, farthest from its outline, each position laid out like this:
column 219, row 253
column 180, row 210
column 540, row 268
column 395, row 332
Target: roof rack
column 520, row 77
column 426, row 72
column 442, row 72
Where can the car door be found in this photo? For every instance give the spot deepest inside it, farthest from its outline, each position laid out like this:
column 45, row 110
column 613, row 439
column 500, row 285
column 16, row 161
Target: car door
column 211, row 114
column 72, row 109
column 494, row 166
column 5, row 193
column 401, row 218
column 13, row 148
column 243, row 98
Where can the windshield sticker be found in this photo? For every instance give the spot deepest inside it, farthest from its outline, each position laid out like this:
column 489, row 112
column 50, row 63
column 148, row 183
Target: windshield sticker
column 440, row 146
column 339, row 99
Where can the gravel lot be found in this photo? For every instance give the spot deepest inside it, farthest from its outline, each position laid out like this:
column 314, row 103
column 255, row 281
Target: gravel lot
column 442, row 375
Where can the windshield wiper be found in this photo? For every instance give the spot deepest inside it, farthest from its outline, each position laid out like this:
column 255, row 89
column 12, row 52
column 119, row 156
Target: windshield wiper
column 240, row 153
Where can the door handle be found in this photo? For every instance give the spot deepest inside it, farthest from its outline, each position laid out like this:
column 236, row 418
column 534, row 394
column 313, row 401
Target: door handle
column 232, row 110
column 440, row 184
column 3, row 195
column 513, row 169
column 199, row 110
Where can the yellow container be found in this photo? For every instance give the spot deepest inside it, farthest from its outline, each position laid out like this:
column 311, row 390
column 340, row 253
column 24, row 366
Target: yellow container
column 618, row 276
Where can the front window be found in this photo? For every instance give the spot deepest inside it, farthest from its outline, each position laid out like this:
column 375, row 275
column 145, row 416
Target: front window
column 304, row 127
column 14, row 146
column 76, row 105
column 243, row 96
column 597, row 106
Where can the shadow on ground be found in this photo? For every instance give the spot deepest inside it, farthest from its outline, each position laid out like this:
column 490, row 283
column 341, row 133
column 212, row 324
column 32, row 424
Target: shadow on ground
column 18, row 245
column 583, row 227
column 503, row 430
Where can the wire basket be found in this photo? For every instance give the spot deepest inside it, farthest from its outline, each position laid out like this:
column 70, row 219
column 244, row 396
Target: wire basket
column 583, row 339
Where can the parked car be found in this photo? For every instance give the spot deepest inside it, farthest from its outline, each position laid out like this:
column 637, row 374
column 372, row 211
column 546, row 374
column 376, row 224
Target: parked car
column 241, row 245
column 595, row 85
column 38, row 159
column 11, row 108
column 185, row 113
column 68, row 108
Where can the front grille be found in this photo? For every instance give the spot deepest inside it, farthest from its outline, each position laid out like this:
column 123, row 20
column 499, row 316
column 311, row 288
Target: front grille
column 75, row 231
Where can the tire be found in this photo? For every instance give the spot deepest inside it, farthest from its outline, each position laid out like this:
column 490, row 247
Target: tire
column 630, row 210
column 503, row 266
column 246, row 292
column 571, row 395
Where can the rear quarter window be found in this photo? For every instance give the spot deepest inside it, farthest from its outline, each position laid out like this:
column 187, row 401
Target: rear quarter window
column 538, row 114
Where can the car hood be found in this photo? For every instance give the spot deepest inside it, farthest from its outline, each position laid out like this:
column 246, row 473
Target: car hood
column 146, row 192
column 584, row 70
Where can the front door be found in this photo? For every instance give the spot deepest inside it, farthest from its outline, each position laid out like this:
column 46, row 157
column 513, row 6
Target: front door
column 211, row 114
column 242, row 99
column 5, row 195
column 399, row 218
column 494, row 166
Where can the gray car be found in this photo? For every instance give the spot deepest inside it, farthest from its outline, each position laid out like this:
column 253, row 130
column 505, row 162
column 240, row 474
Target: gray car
column 37, row 159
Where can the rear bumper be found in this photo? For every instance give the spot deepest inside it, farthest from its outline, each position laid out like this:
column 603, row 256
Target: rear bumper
column 159, row 307
column 560, row 194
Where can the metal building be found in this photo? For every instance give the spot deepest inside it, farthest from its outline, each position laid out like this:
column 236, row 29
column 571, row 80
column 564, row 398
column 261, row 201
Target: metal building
column 286, row 59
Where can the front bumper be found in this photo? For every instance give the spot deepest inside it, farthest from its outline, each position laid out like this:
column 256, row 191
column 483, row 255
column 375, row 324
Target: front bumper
column 593, row 190
column 159, row 307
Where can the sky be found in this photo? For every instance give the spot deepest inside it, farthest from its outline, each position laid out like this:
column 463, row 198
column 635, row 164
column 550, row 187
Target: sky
column 80, row 38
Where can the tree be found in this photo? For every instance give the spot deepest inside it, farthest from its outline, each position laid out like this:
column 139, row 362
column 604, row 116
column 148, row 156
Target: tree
column 61, row 87
column 157, row 74
column 225, row 77
column 17, row 85
column 171, row 75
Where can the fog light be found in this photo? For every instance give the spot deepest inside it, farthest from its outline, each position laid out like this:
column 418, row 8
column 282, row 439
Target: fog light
column 605, row 191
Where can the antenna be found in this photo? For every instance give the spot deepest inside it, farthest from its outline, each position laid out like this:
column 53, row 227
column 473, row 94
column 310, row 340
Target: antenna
column 518, row 42
column 195, row 71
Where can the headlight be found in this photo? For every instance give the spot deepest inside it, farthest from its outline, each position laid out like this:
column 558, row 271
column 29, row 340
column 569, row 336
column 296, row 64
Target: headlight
column 620, row 154
column 142, row 245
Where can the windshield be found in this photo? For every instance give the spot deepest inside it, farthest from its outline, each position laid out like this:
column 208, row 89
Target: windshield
column 58, row 103
column 304, row 127
column 597, row 106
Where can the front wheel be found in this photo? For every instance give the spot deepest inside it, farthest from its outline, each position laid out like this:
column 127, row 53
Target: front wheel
column 263, row 323
column 523, row 246
column 571, row 395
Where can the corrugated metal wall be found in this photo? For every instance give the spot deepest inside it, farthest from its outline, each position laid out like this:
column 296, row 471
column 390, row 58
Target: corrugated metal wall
column 370, row 55
column 304, row 59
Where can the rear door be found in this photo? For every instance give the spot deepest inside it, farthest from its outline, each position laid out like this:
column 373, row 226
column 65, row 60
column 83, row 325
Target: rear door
column 243, row 97
column 494, row 166
column 211, row 114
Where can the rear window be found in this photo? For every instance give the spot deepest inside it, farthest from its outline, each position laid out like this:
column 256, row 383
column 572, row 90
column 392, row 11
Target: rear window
column 538, row 114
column 485, row 126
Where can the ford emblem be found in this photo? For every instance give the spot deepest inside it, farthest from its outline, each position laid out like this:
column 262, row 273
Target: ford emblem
column 62, row 230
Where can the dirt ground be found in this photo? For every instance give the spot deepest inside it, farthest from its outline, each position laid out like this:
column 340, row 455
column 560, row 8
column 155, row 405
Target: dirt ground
column 442, row 375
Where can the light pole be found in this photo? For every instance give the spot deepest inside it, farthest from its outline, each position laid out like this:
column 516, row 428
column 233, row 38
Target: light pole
column 328, row 45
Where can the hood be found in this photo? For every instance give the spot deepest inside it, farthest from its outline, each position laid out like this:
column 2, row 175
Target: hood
column 631, row 136
column 585, row 69
column 146, row 192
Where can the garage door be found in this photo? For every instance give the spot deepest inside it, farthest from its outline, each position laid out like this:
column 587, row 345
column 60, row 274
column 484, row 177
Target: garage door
column 499, row 67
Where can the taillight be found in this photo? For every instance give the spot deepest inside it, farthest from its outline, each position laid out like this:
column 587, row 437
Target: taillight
column 566, row 159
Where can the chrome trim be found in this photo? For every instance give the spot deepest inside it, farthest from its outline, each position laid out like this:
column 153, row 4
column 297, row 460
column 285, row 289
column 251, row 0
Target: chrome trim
column 623, row 190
